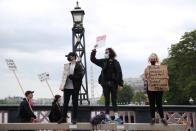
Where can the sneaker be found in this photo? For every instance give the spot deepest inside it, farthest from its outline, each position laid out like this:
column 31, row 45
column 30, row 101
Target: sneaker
column 164, row 122
column 107, row 120
column 152, row 121
column 118, row 121
column 62, row 120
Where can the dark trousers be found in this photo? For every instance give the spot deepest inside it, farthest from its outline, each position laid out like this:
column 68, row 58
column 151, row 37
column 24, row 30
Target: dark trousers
column 155, row 97
column 67, row 94
column 110, row 88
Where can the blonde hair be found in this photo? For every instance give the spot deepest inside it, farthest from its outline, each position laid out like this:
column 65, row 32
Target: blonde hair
column 153, row 57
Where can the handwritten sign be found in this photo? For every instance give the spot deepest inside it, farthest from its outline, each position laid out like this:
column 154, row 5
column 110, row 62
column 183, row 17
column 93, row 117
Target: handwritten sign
column 11, row 65
column 158, row 78
column 43, row 76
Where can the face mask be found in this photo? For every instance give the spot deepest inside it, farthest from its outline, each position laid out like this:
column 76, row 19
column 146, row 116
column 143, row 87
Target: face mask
column 106, row 56
column 68, row 58
column 153, row 62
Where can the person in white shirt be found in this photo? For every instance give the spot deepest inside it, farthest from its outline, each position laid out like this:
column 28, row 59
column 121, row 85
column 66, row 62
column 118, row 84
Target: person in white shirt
column 71, row 84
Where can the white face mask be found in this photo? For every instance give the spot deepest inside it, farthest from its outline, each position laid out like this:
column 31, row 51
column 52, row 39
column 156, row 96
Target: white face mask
column 106, row 56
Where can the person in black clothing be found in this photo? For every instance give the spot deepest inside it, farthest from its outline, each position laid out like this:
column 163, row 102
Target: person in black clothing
column 110, row 79
column 26, row 113
column 155, row 97
column 56, row 112
column 71, row 83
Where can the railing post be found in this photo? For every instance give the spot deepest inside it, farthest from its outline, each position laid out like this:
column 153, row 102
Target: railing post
column 13, row 116
column 84, row 115
column 194, row 119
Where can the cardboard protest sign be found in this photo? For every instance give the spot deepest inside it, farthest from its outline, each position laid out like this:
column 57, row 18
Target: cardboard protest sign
column 158, row 78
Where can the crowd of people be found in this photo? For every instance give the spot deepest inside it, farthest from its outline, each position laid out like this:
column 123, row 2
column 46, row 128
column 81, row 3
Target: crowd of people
column 110, row 79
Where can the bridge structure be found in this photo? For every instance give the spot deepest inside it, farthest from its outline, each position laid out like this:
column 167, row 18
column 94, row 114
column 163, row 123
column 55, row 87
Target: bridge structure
column 180, row 118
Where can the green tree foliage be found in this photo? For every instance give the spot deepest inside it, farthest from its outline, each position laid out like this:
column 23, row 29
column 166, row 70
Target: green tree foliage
column 101, row 101
column 125, row 95
column 182, row 70
column 139, row 97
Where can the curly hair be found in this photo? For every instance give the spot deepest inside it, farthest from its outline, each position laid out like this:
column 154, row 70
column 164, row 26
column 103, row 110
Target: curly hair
column 112, row 53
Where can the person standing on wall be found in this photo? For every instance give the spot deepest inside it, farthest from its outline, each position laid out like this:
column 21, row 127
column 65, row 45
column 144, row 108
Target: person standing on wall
column 110, row 79
column 71, row 85
column 155, row 97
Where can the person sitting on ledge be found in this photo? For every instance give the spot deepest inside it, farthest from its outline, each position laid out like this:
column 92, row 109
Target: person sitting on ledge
column 26, row 113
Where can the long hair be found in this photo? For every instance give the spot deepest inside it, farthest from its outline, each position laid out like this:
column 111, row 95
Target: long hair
column 112, row 53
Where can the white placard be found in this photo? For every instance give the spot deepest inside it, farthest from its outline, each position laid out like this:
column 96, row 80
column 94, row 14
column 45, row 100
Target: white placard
column 10, row 63
column 43, row 76
column 120, row 127
column 100, row 41
column 64, row 76
column 72, row 126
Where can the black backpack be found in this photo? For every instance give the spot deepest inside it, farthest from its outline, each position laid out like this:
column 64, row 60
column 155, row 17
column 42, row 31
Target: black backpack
column 98, row 119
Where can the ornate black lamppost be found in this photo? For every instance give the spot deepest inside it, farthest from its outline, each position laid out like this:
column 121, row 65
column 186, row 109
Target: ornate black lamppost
column 78, row 44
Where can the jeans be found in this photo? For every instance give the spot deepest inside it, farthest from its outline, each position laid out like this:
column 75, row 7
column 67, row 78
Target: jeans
column 110, row 88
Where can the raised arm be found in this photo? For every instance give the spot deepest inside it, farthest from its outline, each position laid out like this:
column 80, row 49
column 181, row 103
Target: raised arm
column 98, row 62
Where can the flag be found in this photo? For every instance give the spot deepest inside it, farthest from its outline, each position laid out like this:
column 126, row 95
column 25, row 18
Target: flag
column 100, row 41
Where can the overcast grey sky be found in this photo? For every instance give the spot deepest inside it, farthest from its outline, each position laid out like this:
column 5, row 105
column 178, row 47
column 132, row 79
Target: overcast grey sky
column 37, row 35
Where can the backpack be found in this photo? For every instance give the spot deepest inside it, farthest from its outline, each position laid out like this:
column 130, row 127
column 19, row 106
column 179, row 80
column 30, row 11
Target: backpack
column 98, row 119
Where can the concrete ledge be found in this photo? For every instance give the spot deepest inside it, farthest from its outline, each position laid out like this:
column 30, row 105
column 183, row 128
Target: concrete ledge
column 87, row 126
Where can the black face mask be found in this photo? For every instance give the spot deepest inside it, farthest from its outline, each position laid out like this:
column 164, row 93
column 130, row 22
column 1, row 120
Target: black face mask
column 68, row 58
column 153, row 62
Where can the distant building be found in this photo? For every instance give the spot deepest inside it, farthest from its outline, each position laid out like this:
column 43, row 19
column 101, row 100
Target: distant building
column 16, row 98
column 137, row 84
column 12, row 100
column 43, row 101
column 94, row 101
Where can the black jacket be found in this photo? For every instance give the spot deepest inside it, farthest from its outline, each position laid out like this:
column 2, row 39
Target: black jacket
column 55, row 113
column 25, row 112
column 77, row 76
column 103, row 64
